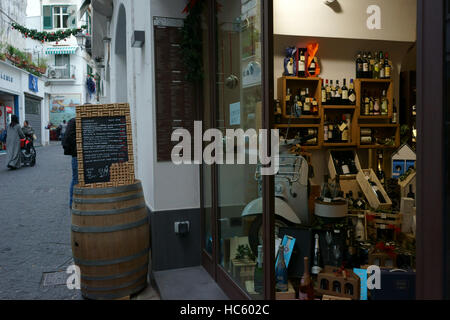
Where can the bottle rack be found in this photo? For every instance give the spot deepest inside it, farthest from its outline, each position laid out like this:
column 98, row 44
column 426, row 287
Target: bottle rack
column 380, row 123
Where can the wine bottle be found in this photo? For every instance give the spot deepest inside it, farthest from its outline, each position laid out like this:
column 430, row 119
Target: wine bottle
column 376, row 67
column 350, row 199
column 382, row 66
column 351, row 93
column 376, row 107
column 312, row 67
column 324, row 93
column 333, row 92
column 359, row 230
column 365, row 66
column 336, row 132
column 307, row 103
column 411, row 193
column 328, row 90
column 371, row 65
column 325, row 128
column 301, row 63
column 281, row 276
column 394, row 113
column 338, row 94
column 384, row 104
column 306, row 290
column 359, row 66
column 380, row 171
column 336, row 189
column 360, row 203
column 344, row 130
column 259, row 273
column 387, row 67
column 316, row 266
column 366, row 104
column 376, row 191
column 345, row 100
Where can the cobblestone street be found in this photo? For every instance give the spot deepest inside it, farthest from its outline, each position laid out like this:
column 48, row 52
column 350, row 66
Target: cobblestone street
column 35, row 227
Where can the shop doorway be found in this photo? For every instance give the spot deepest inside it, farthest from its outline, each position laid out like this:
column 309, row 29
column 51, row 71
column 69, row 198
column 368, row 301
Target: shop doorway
column 33, row 116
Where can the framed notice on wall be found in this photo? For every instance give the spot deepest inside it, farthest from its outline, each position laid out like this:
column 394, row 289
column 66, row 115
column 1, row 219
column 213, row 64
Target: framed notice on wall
column 175, row 97
column 104, row 145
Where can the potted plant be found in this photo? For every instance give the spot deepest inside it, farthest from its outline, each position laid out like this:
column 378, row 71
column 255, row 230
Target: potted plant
column 2, row 53
column 42, row 65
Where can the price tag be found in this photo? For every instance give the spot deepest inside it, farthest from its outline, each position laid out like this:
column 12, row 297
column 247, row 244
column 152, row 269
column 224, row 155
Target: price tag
column 383, row 216
column 327, row 200
column 382, row 226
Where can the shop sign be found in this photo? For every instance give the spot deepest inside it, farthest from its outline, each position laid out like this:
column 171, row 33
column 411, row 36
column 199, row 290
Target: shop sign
column 6, row 77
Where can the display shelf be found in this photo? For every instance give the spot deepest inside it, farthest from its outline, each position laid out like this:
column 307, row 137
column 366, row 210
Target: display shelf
column 301, row 117
column 374, row 80
column 375, row 117
column 338, row 107
column 378, row 125
column 330, row 144
column 295, row 125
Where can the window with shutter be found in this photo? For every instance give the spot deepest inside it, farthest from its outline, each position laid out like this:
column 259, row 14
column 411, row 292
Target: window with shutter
column 48, row 17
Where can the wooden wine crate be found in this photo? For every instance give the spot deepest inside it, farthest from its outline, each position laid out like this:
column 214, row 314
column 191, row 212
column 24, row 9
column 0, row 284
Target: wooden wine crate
column 383, row 221
column 382, row 259
column 330, row 275
column 366, row 188
column 288, row 295
column 404, row 185
column 332, row 168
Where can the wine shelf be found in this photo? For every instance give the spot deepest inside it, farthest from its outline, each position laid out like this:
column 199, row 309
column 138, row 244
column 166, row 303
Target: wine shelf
column 358, row 120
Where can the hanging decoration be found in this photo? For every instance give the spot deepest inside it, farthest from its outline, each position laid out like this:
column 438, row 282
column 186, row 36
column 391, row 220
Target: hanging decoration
column 44, row 36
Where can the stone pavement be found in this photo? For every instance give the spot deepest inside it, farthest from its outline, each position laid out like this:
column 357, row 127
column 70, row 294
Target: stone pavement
column 35, row 229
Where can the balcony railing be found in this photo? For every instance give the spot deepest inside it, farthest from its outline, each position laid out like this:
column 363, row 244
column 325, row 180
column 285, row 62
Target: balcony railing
column 64, row 72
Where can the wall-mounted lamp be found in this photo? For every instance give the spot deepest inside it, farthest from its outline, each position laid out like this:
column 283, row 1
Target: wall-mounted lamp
column 138, row 39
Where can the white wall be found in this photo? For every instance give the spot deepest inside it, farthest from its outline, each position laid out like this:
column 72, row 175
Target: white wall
column 315, row 18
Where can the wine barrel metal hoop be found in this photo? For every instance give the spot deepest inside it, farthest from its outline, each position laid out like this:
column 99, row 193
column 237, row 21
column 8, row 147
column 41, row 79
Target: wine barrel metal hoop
column 93, row 263
column 107, row 212
column 116, row 228
column 119, row 294
column 109, row 200
column 122, row 286
column 105, row 191
column 116, row 276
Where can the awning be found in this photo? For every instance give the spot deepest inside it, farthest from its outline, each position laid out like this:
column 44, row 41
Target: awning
column 61, row 50
column 83, row 8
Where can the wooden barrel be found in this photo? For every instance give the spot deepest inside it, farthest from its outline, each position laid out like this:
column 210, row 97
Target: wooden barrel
column 110, row 240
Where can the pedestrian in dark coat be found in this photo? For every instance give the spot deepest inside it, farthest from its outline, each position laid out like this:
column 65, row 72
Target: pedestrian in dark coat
column 14, row 134
column 70, row 149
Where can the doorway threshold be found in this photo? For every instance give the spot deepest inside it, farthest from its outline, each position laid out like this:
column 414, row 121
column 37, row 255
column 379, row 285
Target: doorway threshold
column 192, row 283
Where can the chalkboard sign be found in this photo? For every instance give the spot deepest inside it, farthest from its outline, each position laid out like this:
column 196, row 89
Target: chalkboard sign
column 104, row 145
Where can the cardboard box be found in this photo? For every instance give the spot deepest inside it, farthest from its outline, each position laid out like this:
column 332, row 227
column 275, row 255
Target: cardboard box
column 366, row 188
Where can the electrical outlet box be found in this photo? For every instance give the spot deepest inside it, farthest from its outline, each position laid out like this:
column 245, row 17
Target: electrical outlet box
column 182, row 227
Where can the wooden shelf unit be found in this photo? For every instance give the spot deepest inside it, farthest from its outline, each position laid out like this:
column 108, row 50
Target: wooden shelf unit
column 358, row 120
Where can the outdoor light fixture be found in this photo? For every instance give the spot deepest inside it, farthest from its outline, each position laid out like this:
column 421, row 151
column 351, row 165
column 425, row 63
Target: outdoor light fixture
column 138, row 39
column 81, row 39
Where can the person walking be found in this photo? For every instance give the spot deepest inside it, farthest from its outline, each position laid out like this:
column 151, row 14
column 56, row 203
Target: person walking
column 13, row 135
column 70, row 149
column 63, row 130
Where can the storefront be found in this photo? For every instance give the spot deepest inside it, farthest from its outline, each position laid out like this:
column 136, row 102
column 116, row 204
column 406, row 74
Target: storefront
column 266, row 68
column 23, row 95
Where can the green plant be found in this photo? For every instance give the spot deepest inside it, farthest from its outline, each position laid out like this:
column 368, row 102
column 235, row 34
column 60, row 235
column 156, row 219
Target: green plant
column 11, row 50
column 192, row 42
column 405, row 133
column 244, row 251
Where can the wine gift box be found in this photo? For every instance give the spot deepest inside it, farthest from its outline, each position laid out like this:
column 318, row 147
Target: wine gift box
column 369, row 192
column 347, row 175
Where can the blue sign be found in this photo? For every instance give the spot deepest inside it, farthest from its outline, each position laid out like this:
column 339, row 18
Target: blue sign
column 362, row 274
column 33, row 83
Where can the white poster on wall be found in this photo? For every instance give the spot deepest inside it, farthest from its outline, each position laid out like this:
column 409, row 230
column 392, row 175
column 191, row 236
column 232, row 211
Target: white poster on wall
column 235, row 114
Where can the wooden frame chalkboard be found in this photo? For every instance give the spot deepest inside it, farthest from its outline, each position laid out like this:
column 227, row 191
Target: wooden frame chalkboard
column 104, row 146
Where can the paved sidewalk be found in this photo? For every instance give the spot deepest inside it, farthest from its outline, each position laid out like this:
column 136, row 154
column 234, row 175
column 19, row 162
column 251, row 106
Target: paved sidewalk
column 35, row 227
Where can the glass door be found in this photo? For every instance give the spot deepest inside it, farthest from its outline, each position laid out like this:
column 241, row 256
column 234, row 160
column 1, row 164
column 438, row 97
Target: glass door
column 239, row 106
